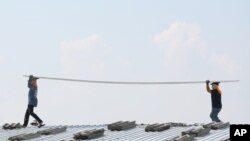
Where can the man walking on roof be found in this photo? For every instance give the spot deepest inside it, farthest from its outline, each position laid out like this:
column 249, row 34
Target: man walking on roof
column 216, row 100
column 32, row 102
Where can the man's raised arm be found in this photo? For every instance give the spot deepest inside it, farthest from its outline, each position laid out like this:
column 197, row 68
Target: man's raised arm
column 207, row 85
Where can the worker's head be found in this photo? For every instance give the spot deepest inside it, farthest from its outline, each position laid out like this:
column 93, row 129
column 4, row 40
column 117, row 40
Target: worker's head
column 34, row 81
column 215, row 85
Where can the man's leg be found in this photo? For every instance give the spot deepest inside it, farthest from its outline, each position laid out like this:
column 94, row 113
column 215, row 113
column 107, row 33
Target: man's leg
column 33, row 114
column 216, row 112
column 26, row 117
column 212, row 114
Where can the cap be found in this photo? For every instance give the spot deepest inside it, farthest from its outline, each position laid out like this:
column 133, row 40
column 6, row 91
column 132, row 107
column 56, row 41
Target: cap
column 216, row 83
column 35, row 78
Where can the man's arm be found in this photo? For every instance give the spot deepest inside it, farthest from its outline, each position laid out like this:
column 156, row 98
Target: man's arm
column 30, row 81
column 219, row 91
column 207, row 85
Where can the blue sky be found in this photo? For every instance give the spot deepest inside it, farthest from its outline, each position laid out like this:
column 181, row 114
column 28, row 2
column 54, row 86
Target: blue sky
column 142, row 40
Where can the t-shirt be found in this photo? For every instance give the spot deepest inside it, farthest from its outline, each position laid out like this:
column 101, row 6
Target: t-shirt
column 216, row 99
column 32, row 97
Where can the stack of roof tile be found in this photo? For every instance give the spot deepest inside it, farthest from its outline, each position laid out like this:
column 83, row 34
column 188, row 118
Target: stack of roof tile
column 183, row 138
column 197, row 132
column 121, row 125
column 24, row 137
column 89, row 134
column 11, row 126
column 51, row 131
column 157, row 127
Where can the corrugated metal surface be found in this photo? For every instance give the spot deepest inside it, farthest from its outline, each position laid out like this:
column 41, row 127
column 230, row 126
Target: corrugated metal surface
column 135, row 134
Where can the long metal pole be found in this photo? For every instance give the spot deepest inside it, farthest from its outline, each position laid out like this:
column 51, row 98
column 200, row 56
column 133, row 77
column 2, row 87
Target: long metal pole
column 132, row 83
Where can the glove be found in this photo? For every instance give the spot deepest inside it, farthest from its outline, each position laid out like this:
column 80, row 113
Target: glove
column 207, row 82
column 30, row 77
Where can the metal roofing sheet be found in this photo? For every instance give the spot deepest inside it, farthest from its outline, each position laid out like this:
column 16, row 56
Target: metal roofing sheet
column 136, row 134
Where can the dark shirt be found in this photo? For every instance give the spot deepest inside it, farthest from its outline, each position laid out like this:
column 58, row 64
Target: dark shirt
column 32, row 97
column 216, row 99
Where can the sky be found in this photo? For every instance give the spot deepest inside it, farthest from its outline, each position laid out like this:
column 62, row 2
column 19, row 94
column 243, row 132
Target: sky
column 129, row 40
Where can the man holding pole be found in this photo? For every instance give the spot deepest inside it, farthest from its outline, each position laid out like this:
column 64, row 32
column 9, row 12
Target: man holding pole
column 32, row 102
column 216, row 100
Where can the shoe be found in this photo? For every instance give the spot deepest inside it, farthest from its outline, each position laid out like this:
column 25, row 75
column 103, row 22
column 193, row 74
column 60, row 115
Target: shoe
column 34, row 123
column 41, row 125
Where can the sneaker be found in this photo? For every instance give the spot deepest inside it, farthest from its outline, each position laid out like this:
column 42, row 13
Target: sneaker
column 41, row 125
column 34, row 123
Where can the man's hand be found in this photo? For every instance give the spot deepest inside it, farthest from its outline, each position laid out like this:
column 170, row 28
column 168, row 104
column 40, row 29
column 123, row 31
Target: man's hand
column 208, row 88
column 31, row 77
column 207, row 82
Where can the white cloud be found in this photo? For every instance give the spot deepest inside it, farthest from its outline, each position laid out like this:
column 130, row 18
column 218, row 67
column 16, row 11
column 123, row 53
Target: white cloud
column 177, row 40
column 83, row 56
column 182, row 44
column 224, row 63
column 179, row 34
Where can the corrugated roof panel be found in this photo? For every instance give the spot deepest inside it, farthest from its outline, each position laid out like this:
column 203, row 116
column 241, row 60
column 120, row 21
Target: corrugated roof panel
column 135, row 134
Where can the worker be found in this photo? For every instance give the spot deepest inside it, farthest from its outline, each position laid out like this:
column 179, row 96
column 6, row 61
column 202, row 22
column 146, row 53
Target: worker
column 216, row 100
column 32, row 102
